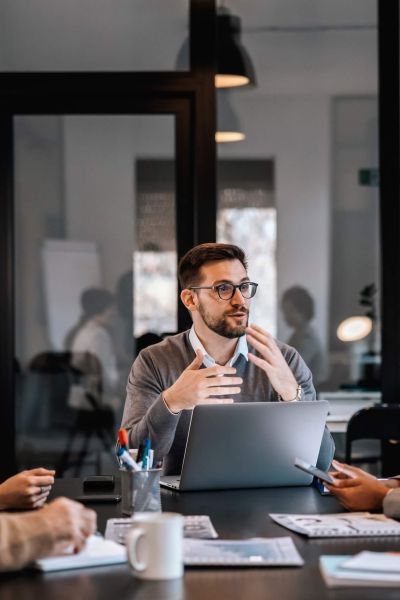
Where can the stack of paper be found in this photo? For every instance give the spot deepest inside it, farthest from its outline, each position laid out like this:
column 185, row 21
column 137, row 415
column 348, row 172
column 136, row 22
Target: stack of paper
column 366, row 569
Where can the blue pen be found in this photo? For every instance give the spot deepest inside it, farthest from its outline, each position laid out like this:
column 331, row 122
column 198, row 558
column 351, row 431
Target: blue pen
column 145, row 459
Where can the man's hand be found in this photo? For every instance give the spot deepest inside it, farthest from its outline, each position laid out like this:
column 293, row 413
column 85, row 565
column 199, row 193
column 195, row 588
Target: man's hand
column 272, row 362
column 70, row 522
column 202, row 386
column 26, row 490
column 356, row 489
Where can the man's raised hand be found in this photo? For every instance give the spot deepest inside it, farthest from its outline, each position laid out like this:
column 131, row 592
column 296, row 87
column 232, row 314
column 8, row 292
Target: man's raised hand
column 202, row 386
column 272, row 362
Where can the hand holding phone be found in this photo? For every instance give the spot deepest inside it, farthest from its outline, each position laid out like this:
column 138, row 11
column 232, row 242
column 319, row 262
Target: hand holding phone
column 301, row 464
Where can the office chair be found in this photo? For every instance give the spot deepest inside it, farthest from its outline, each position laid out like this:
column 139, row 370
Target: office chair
column 95, row 421
column 47, row 383
column 379, row 422
column 92, row 418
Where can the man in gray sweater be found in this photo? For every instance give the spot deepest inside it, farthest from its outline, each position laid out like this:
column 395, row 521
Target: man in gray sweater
column 220, row 359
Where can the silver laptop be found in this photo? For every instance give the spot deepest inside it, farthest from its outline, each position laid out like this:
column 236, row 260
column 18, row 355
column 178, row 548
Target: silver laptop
column 250, row 444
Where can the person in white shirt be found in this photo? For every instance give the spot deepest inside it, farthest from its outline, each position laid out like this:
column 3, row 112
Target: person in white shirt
column 93, row 353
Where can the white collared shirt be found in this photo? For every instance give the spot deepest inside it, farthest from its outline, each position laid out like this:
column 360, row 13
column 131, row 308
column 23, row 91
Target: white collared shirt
column 209, row 361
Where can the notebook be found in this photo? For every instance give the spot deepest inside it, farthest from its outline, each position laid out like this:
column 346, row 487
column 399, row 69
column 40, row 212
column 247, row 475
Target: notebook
column 98, row 552
column 339, row 525
column 366, row 569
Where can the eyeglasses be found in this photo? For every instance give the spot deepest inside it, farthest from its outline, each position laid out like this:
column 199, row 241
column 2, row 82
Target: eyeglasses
column 226, row 291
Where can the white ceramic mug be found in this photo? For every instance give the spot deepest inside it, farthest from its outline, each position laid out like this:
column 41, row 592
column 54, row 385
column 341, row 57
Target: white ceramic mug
column 155, row 545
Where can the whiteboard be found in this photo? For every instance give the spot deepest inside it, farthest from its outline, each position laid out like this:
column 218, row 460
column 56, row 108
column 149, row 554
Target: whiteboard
column 69, row 267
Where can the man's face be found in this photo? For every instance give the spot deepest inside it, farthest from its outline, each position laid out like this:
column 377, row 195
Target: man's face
column 228, row 318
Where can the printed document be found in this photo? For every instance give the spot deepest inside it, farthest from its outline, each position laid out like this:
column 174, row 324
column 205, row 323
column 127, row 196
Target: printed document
column 254, row 552
column 339, row 525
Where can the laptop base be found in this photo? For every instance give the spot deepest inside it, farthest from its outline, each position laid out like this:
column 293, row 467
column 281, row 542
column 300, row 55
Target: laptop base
column 172, row 482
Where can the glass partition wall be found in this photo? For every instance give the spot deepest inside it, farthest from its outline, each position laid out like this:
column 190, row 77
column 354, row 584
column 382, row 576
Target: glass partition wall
column 89, row 247
column 94, row 277
column 311, row 124
column 309, row 221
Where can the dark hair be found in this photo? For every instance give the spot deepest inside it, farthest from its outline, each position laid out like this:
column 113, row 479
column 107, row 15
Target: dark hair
column 94, row 301
column 301, row 300
column 190, row 264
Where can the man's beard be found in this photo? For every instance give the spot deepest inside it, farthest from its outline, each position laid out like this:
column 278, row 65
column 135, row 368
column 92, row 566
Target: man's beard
column 221, row 326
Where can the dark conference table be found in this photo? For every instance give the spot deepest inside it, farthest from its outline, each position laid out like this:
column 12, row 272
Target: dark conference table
column 235, row 514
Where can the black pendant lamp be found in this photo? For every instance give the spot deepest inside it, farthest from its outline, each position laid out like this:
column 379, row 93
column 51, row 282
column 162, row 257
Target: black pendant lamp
column 234, row 66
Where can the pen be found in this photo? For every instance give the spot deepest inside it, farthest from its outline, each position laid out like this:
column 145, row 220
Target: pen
column 145, row 459
column 139, row 457
column 127, row 460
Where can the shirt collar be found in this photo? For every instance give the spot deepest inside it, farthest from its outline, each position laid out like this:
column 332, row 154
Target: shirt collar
column 208, row 361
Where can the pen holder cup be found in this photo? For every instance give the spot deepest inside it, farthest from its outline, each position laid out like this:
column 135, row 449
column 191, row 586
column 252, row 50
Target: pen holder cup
column 140, row 491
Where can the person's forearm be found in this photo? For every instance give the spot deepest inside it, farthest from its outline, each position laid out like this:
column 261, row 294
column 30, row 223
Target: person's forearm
column 158, row 423
column 24, row 538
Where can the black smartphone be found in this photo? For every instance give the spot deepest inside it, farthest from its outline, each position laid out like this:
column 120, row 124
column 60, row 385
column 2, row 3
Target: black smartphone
column 301, row 464
column 99, row 483
column 93, row 498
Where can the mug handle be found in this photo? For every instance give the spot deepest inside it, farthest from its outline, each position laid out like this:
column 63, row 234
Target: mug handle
column 133, row 538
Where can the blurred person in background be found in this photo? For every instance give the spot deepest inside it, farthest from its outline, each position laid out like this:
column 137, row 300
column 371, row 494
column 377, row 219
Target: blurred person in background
column 298, row 311
column 93, row 353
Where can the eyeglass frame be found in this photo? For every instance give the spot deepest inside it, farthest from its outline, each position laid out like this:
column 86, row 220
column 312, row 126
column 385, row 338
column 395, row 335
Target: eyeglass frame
column 235, row 287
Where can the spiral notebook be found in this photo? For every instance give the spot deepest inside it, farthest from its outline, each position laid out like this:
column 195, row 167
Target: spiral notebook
column 339, row 525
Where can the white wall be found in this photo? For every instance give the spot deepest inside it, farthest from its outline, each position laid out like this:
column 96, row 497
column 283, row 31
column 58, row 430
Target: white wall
column 294, row 132
column 38, row 215
column 99, row 159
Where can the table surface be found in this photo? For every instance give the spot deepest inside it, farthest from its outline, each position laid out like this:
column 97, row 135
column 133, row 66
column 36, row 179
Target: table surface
column 235, row 514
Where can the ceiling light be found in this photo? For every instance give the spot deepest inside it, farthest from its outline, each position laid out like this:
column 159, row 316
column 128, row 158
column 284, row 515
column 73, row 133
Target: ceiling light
column 228, row 126
column 354, row 329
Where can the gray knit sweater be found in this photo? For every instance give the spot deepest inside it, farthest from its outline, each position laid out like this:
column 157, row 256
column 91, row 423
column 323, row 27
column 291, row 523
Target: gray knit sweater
column 159, row 366
column 391, row 503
